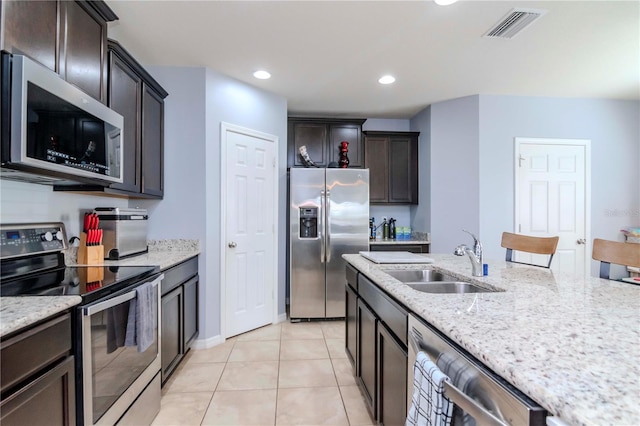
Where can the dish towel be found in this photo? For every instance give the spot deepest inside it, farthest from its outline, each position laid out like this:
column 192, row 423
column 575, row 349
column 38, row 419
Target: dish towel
column 463, row 378
column 117, row 327
column 141, row 322
column 429, row 405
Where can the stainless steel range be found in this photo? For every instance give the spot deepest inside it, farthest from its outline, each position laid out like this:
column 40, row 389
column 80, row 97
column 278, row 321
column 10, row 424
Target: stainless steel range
column 115, row 327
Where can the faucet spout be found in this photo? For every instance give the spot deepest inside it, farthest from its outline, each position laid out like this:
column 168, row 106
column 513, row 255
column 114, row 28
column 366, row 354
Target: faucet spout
column 475, row 255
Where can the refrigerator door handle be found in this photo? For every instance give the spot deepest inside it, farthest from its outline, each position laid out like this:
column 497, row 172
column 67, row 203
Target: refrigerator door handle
column 321, row 229
column 328, row 225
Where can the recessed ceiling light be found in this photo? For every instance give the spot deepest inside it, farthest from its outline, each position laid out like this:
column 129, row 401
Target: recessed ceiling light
column 386, row 79
column 444, row 2
column 262, row 74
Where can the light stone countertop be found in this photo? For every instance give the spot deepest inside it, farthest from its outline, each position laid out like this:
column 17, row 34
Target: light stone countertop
column 19, row 312
column 571, row 343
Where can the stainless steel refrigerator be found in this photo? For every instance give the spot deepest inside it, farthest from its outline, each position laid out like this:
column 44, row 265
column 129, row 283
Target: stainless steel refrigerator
column 329, row 216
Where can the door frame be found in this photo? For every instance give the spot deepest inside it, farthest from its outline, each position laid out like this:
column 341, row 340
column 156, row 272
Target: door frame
column 586, row 144
column 226, row 128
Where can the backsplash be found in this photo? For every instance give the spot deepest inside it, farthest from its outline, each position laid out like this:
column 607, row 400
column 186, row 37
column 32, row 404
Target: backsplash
column 27, row 202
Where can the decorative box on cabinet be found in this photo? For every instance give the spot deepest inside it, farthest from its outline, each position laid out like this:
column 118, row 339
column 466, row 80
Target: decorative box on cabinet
column 179, row 321
column 392, row 160
column 68, row 37
column 37, row 375
column 322, row 137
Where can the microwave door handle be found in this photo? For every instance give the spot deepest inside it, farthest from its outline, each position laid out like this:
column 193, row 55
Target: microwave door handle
column 110, row 303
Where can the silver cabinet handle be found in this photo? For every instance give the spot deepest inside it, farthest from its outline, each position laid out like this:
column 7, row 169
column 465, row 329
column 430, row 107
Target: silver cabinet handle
column 582, row 241
column 233, row 245
column 322, row 229
column 328, row 226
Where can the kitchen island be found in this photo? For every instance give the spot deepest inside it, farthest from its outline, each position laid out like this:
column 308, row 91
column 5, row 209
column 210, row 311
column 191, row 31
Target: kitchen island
column 571, row 343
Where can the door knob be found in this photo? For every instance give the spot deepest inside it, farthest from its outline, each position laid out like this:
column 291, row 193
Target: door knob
column 582, row 241
column 232, row 245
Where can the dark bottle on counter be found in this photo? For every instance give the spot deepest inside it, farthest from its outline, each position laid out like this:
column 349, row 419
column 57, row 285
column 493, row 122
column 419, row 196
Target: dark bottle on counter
column 392, row 228
column 385, row 229
column 372, row 228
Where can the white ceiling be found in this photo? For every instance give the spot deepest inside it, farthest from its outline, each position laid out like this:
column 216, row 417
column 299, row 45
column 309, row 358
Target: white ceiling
column 325, row 57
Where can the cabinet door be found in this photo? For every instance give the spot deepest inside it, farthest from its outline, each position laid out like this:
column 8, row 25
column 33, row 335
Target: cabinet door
column 171, row 348
column 152, row 142
column 403, row 170
column 352, row 134
column 314, row 137
column 190, row 289
column 84, row 44
column 47, row 400
column 391, row 393
column 31, row 28
column 125, row 90
column 351, row 325
column 366, row 354
column 377, row 161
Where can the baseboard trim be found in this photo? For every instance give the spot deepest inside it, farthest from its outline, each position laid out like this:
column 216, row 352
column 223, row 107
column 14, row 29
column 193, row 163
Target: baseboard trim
column 207, row 343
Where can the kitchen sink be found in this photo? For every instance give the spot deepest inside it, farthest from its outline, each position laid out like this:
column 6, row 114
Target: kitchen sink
column 448, row 287
column 431, row 281
column 419, row 276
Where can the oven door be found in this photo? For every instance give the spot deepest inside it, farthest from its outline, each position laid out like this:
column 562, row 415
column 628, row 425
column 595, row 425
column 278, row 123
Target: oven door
column 116, row 365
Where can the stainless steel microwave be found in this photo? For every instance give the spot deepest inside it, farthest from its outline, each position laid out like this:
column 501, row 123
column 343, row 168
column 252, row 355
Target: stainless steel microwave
column 52, row 132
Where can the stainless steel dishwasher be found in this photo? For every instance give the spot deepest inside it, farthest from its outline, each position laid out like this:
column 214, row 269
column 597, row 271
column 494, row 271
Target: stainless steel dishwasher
column 480, row 396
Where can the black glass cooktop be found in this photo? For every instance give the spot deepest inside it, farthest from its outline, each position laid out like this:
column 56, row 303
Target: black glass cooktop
column 90, row 282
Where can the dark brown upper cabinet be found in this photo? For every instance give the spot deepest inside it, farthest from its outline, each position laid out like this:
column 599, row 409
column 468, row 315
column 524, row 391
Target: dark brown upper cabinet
column 139, row 98
column 322, row 137
column 392, row 160
column 68, row 37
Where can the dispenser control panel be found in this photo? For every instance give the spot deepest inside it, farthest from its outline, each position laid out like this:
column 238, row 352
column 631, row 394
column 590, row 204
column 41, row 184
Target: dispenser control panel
column 308, row 222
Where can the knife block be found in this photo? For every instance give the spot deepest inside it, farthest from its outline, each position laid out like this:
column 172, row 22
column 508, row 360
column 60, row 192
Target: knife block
column 89, row 255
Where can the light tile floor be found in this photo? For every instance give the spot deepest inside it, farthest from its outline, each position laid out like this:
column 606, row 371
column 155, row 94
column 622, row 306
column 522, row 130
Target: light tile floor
column 282, row 374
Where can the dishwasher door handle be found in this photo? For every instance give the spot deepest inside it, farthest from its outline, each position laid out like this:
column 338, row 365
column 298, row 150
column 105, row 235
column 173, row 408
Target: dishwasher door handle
column 468, row 405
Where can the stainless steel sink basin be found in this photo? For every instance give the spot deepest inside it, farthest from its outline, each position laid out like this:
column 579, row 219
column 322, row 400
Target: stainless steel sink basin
column 448, row 287
column 419, row 276
column 431, row 281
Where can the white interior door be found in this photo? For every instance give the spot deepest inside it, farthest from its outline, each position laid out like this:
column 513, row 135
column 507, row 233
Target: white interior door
column 552, row 193
column 250, row 202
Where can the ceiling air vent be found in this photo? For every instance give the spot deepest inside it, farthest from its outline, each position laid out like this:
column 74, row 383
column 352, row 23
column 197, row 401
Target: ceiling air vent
column 514, row 22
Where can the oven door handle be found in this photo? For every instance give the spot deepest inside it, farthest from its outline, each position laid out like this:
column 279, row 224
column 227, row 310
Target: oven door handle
column 110, row 303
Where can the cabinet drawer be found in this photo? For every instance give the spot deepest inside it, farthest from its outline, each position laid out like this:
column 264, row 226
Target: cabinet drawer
column 178, row 274
column 34, row 349
column 392, row 314
column 352, row 277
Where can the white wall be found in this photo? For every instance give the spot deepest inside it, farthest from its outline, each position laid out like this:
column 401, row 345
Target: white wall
column 454, row 171
column 27, row 202
column 421, row 213
column 612, row 126
column 199, row 100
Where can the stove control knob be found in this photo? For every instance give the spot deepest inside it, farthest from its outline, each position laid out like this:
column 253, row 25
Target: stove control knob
column 58, row 236
column 47, row 236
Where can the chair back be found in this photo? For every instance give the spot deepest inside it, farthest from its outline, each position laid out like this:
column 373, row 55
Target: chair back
column 608, row 252
column 525, row 243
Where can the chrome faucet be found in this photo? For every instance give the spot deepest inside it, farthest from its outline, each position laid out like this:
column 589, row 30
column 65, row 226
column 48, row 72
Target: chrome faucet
column 475, row 255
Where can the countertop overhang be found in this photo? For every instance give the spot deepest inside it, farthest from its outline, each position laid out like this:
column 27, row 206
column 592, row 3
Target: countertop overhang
column 572, row 343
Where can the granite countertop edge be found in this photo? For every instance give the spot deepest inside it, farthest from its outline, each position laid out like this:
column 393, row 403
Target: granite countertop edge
column 20, row 312
column 571, row 343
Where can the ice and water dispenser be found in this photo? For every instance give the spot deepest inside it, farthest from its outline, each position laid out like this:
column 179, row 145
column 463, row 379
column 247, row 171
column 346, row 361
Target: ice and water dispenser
column 308, row 222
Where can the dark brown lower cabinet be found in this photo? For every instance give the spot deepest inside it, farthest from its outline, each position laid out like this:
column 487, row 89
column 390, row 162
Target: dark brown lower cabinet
column 351, row 316
column 392, row 379
column 366, row 354
column 179, row 319
column 381, row 348
column 171, row 331
column 47, row 400
column 38, row 375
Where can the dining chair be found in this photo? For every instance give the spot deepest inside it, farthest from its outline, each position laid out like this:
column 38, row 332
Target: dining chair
column 608, row 252
column 525, row 243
